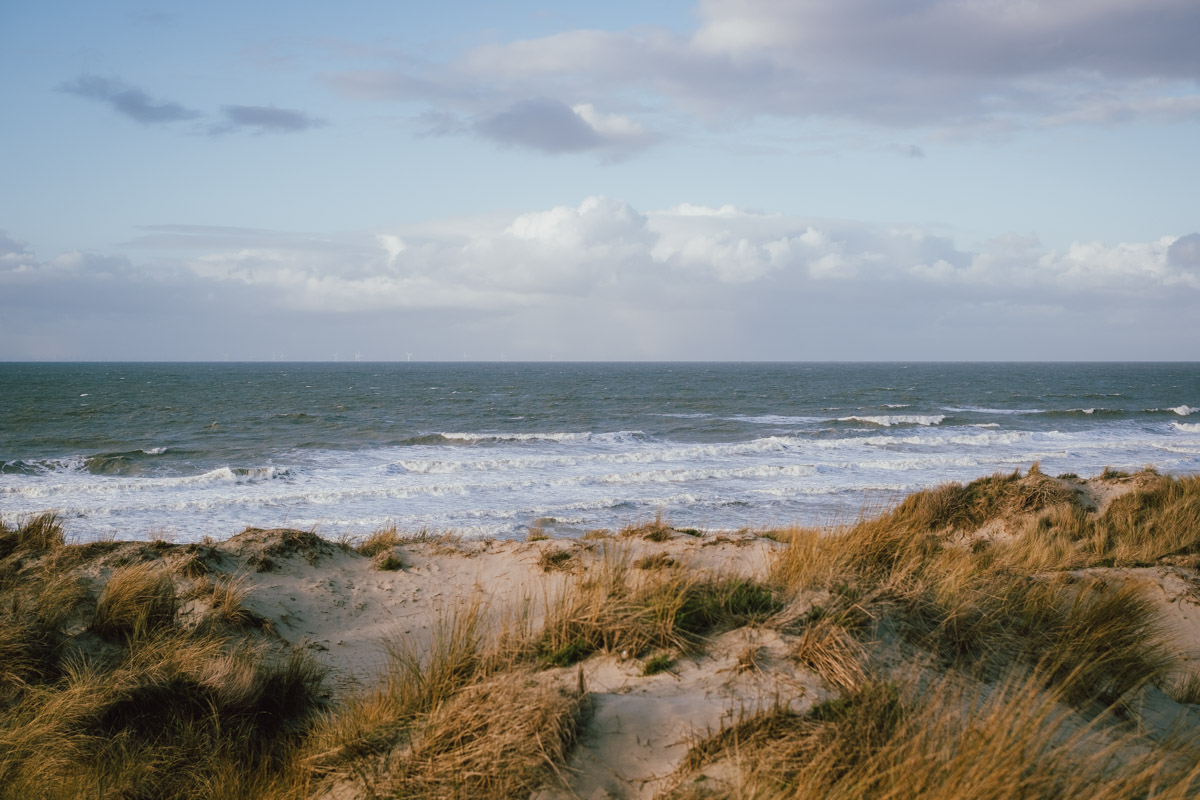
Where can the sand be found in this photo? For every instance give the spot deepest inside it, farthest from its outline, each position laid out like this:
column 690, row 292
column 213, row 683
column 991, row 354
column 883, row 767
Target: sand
column 341, row 608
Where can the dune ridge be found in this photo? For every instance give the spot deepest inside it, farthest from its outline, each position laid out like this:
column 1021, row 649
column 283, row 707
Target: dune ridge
column 1020, row 635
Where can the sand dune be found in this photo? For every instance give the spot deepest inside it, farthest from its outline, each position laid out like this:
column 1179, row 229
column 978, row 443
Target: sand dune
column 1060, row 616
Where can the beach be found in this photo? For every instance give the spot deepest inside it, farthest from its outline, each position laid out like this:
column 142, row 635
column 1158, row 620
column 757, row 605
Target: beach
column 961, row 635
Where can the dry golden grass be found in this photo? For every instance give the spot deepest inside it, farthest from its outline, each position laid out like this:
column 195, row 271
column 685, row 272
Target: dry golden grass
column 35, row 535
column 463, row 719
column 656, row 531
column 969, row 654
column 611, row 608
column 985, row 607
column 500, row 738
column 135, row 706
column 416, row 681
column 382, row 540
column 655, row 561
column 555, row 560
column 828, row 647
column 226, row 596
column 943, row 740
column 1158, row 518
column 138, row 601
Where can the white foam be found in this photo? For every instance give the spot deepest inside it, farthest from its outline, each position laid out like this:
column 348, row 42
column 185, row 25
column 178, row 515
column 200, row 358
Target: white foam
column 588, row 478
column 889, row 420
column 1183, row 411
column 1002, row 411
column 565, row 437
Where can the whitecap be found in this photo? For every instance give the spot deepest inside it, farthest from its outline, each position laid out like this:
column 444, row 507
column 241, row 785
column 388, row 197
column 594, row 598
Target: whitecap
column 889, row 420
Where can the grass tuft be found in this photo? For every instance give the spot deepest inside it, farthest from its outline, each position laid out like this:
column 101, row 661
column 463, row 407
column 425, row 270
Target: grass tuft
column 35, row 535
column 137, row 602
column 552, row 560
column 656, row 664
column 378, row 542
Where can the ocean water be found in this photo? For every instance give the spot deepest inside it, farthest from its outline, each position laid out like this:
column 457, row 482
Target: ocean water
column 188, row 450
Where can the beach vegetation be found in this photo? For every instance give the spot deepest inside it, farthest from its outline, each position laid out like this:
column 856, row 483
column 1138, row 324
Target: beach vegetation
column 114, row 696
column 981, row 639
column 384, row 539
column 387, row 562
column 655, row 561
column 551, row 560
column 658, row 663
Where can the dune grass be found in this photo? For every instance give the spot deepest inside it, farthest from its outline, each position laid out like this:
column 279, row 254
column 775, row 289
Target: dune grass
column 944, row 740
column 973, row 641
column 111, row 696
column 612, row 608
column 984, row 605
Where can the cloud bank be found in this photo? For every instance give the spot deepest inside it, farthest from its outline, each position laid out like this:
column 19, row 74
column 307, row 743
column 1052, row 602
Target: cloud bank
column 602, row 279
column 951, row 67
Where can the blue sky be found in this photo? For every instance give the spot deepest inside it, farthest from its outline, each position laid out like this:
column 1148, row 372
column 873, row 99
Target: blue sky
column 727, row 179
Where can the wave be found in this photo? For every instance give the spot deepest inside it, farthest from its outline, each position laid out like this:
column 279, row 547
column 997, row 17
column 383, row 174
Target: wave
column 1095, row 411
column 1181, row 410
column 74, row 480
column 128, row 462
column 1186, row 427
column 615, row 437
column 40, row 466
column 660, row 452
column 888, row 420
column 774, row 419
column 986, row 410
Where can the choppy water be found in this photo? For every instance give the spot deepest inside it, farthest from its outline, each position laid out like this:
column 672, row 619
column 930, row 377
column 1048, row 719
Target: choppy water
column 487, row 449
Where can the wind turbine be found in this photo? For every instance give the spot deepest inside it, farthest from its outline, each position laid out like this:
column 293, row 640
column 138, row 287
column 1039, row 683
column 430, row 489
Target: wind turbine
column 358, row 356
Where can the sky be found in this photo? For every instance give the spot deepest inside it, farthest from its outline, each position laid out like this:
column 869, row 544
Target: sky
column 717, row 180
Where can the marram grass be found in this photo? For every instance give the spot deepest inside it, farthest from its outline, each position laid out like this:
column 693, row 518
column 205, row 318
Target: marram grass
column 977, row 640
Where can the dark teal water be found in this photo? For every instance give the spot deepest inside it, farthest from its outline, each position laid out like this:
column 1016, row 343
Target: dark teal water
column 488, row 449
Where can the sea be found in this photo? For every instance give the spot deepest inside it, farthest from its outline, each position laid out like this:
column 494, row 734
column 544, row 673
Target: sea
column 187, row 450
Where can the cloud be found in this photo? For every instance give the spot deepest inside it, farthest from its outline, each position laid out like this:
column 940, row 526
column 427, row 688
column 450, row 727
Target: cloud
column 546, row 125
column 134, row 103
column 1184, row 252
column 14, row 255
column 947, row 66
column 265, row 119
column 602, row 279
column 127, row 100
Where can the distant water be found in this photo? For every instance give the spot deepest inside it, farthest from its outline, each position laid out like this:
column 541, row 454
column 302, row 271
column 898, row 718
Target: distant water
column 186, row 450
